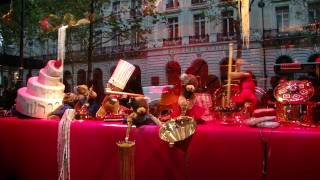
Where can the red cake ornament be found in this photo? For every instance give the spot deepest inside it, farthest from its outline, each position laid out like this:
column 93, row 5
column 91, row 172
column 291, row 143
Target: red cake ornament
column 57, row 64
column 44, row 24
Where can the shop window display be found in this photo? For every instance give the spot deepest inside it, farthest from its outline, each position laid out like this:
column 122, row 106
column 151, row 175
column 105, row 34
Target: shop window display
column 192, row 73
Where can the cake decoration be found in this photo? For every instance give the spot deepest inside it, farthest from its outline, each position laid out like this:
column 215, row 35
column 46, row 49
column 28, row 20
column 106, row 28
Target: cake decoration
column 43, row 94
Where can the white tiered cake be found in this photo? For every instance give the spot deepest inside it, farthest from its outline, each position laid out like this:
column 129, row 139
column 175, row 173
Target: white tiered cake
column 43, row 94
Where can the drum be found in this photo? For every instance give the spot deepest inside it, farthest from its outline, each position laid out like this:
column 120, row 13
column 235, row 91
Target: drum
column 295, row 113
column 220, row 95
column 293, row 104
column 228, row 114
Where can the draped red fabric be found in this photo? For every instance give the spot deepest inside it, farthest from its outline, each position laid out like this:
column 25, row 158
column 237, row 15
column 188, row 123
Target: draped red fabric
column 28, row 151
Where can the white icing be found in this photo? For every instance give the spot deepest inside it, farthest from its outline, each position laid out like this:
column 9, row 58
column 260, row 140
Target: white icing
column 51, row 70
column 35, row 106
column 37, row 89
column 43, row 94
column 44, row 78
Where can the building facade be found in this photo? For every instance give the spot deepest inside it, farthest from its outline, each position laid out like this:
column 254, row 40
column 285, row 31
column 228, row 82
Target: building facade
column 193, row 29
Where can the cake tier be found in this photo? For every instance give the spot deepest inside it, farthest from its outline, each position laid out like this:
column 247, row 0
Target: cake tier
column 51, row 70
column 34, row 106
column 48, row 80
column 35, row 88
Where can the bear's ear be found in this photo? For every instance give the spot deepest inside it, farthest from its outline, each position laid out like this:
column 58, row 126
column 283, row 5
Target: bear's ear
column 184, row 78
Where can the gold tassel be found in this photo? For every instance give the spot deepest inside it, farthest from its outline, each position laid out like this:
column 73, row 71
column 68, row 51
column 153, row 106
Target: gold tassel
column 126, row 156
column 126, row 160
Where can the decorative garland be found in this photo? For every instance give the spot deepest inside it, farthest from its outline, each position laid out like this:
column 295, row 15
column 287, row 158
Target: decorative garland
column 64, row 144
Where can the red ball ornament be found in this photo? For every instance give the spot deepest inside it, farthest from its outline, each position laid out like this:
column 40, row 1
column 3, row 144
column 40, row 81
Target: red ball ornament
column 57, row 63
column 44, row 24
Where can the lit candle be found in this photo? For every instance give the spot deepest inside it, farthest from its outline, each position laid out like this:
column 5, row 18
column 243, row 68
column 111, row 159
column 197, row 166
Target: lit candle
column 229, row 73
column 61, row 45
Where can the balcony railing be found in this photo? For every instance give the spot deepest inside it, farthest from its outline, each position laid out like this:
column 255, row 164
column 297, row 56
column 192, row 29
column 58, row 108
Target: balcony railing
column 120, row 51
column 273, row 37
column 198, row 2
column 198, row 39
column 120, row 48
column 172, row 42
column 173, row 4
column 225, row 37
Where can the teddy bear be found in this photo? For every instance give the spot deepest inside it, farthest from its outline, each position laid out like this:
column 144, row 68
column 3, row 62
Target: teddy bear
column 140, row 113
column 68, row 102
column 110, row 105
column 186, row 101
column 86, row 105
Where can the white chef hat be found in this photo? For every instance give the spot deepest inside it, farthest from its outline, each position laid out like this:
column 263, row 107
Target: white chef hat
column 121, row 74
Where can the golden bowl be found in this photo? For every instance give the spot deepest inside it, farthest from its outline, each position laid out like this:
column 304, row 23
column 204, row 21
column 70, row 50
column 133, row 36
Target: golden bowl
column 177, row 129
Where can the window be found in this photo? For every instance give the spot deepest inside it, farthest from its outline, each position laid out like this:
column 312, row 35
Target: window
column 314, row 12
column 116, row 9
column 135, row 3
column 117, row 37
column 199, row 25
column 282, row 14
column 98, row 37
column 135, row 8
column 173, row 28
column 135, row 36
column 81, row 77
column 171, row 4
column 227, row 23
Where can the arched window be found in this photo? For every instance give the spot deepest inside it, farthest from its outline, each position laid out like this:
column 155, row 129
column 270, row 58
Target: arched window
column 314, row 58
column 97, row 84
column 97, row 73
column 284, row 59
column 81, row 77
column 67, row 81
column 67, row 75
column 134, row 83
column 200, row 69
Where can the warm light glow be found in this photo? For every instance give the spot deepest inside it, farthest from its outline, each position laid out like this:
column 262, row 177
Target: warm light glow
column 243, row 5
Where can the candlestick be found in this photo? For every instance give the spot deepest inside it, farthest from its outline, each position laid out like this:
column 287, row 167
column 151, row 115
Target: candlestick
column 229, row 73
column 61, row 45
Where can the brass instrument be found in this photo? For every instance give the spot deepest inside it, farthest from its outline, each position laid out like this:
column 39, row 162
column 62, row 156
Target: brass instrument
column 177, row 129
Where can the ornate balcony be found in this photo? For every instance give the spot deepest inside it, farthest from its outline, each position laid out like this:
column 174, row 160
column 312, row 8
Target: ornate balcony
column 273, row 37
column 198, row 39
column 225, row 37
column 198, row 2
column 172, row 42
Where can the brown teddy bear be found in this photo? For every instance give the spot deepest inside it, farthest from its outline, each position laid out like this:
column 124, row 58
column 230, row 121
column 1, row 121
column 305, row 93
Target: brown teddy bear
column 140, row 115
column 85, row 106
column 68, row 102
column 110, row 105
column 189, row 86
column 186, row 102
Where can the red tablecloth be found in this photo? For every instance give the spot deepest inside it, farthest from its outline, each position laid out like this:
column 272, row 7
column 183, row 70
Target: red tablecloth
column 28, row 151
